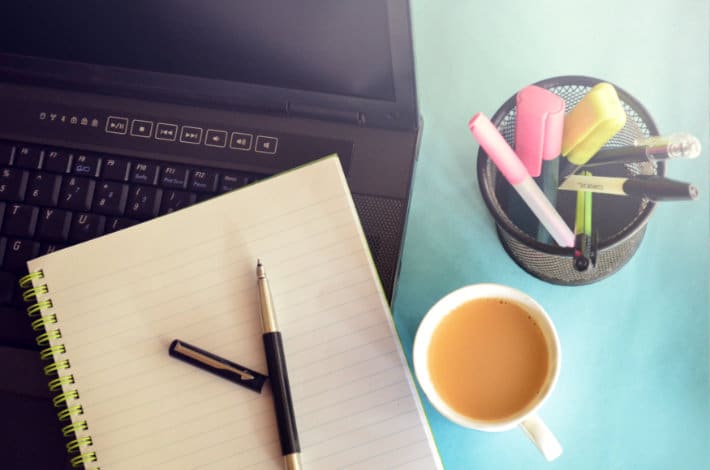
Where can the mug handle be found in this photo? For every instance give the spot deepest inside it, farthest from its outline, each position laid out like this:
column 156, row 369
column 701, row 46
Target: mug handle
column 542, row 437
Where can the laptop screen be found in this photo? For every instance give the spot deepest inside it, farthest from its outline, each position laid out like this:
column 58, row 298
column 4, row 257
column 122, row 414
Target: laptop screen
column 336, row 47
column 345, row 60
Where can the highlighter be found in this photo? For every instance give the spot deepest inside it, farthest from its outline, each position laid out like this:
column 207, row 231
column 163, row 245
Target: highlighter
column 510, row 166
column 592, row 123
column 539, row 121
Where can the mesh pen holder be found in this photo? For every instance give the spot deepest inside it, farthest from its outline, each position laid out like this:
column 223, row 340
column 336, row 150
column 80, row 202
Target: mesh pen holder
column 619, row 222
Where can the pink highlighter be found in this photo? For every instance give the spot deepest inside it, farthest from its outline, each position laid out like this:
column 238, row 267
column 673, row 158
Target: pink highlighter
column 539, row 122
column 508, row 163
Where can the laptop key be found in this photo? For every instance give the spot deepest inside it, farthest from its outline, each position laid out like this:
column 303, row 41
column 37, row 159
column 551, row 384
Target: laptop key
column 13, row 184
column 203, row 181
column 231, row 182
column 176, row 200
column 77, row 193
column 28, row 157
column 174, row 177
column 47, row 248
column 119, row 223
column 86, row 165
column 17, row 253
column 43, row 189
column 87, row 226
column 57, row 161
column 8, row 284
column 54, row 224
column 111, row 198
column 20, row 220
column 143, row 202
column 6, row 153
column 115, row 169
column 145, row 173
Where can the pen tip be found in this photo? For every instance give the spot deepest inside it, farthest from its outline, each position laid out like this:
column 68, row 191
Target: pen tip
column 258, row 262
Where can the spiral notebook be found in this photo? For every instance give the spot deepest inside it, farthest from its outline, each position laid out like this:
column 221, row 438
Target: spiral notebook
column 107, row 310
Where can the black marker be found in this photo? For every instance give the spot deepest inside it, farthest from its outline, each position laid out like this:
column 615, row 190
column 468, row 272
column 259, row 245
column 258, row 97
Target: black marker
column 276, row 363
column 654, row 188
column 217, row 365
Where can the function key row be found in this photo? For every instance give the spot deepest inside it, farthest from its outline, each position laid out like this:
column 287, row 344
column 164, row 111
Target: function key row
column 119, row 169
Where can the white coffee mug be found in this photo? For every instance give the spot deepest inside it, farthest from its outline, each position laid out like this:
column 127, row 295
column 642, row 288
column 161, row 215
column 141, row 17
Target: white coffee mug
column 526, row 418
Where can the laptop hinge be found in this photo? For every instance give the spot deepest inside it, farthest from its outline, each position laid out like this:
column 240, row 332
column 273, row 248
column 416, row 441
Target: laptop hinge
column 317, row 112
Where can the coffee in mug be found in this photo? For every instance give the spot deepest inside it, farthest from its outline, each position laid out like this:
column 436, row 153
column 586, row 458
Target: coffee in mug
column 487, row 356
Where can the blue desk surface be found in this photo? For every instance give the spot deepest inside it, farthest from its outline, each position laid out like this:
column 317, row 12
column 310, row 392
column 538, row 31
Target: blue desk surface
column 633, row 390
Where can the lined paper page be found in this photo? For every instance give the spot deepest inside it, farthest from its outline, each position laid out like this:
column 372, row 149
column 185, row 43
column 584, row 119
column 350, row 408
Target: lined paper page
column 121, row 300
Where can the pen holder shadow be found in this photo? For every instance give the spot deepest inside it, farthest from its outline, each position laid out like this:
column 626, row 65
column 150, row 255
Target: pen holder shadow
column 619, row 222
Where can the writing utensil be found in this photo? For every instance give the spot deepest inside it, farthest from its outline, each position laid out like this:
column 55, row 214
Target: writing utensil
column 276, row 363
column 217, row 365
column 508, row 163
column 654, row 188
column 583, row 231
column 669, row 147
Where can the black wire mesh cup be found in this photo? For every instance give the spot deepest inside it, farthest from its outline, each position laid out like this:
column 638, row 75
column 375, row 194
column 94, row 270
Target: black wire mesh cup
column 619, row 222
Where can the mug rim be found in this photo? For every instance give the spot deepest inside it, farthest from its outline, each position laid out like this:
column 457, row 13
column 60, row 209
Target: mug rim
column 445, row 306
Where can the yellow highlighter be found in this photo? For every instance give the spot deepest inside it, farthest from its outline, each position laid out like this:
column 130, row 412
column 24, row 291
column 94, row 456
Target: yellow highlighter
column 592, row 123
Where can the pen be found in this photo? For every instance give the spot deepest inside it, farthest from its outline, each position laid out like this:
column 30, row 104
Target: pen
column 517, row 175
column 654, row 188
column 276, row 363
column 669, row 147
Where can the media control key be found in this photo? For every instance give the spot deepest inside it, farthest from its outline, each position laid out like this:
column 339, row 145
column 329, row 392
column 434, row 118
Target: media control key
column 141, row 128
column 266, row 144
column 117, row 125
column 216, row 138
column 190, row 135
column 166, row 132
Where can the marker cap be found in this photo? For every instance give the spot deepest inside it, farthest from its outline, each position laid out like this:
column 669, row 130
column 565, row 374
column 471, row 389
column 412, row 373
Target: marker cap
column 539, row 122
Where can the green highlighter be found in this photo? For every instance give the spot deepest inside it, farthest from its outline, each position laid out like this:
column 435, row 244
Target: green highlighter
column 584, row 251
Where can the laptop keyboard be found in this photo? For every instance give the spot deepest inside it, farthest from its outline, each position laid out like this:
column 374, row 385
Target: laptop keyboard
column 51, row 198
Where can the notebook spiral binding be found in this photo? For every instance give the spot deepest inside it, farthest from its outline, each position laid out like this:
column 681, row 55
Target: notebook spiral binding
column 59, row 370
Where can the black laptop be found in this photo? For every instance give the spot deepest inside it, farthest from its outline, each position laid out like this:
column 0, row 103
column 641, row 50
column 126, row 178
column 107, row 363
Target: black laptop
column 114, row 113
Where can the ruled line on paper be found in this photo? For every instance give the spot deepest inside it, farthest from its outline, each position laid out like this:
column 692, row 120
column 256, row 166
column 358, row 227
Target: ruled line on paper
column 264, row 417
column 374, row 459
column 150, row 403
column 101, row 360
column 367, row 442
column 192, row 274
column 98, row 357
column 226, row 294
column 245, row 281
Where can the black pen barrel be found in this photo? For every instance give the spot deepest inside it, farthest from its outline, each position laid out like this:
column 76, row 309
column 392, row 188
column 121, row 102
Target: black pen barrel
column 285, row 417
column 629, row 154
column 660, row 189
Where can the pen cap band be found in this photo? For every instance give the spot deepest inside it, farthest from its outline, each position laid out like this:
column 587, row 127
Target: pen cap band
column 619, row 236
